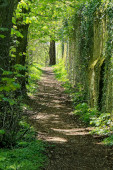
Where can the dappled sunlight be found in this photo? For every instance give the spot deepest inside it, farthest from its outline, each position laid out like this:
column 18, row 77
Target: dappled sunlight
column 56, row 101
column 76, row 131
column 58, row 106
column 45, row 116
column 100, row 143
column 54, row 113
column 56, row 122
column 56, row 139
column 45, row 113
column 57, row 125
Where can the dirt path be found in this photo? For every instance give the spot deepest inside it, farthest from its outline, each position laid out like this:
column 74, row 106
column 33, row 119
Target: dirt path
column 74, row 148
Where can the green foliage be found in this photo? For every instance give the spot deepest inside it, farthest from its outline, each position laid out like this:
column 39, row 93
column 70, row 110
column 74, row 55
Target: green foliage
column 16, row 33
column 60, row 72
column 38, row 51
column 10, row 114
column 103, row 123
column 23, row 157
column 26, row 133
column 10, row 110
column 2, row 36
column 85, row 112
column 2, row 132
column 80, row 30
column 77, row 93
column 34, row 76
column 88, row 21
column 19, row 67
column 108, row 140
column 27, row 154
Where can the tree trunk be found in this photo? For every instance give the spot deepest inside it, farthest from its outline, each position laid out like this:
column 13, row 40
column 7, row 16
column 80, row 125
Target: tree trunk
column 52, row 53
column 6, row 14
column 21, row 50
column 21, row 55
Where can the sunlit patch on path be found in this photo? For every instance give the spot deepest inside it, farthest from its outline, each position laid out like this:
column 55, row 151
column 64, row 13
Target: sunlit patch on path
column 52, row 116
column 77, row 131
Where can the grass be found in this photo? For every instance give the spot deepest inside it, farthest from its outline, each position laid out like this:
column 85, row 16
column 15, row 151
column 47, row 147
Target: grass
column 35, row 73
column 25, row 156
column 60, row 72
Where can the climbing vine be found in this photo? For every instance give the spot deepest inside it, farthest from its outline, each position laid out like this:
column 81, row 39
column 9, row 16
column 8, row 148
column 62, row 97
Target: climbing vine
column 90, row 46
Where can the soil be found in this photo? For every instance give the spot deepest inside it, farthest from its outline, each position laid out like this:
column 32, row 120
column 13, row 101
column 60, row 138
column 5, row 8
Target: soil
column 71, row 145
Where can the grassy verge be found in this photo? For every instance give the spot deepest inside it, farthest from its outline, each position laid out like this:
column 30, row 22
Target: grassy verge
column 60, row 72
column 25, row 156
column 102, row 122
column 27, row 153
column 35, row 73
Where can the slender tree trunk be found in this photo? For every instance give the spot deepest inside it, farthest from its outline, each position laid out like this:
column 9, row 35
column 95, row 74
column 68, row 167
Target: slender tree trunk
column 21, row 55
column 52, row 53
column 21, row 50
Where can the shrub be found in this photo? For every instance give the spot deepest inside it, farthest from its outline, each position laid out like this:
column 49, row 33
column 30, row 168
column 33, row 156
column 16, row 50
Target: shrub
column 103, row 124
column 86, row 114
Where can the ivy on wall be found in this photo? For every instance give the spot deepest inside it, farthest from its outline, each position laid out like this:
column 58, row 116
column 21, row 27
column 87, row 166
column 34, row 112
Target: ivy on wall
column 89, row 51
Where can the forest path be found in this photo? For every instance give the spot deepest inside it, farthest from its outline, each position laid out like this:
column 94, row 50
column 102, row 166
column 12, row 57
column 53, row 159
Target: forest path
column 52, row 116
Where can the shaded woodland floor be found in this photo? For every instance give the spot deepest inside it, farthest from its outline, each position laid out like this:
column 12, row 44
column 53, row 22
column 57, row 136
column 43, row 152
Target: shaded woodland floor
column 52, row 116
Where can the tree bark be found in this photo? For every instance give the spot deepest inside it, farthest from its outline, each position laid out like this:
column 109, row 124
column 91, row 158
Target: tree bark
column 52, row 53
column 6, row 13
column 21, row 50
column 21, row 59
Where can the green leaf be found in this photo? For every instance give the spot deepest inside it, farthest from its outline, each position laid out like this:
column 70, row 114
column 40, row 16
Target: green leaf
column 2, row 131
column 16, row 32
column 10, row 101
column 19, row 67
column 4, row 29
column 2, row 36
column 7, row 73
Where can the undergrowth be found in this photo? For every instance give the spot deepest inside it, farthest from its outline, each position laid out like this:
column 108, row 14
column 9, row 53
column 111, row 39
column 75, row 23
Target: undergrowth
column 35, row 73
column 27, row 154
column 19, row 147
column 61, row 73
column 102, row 122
